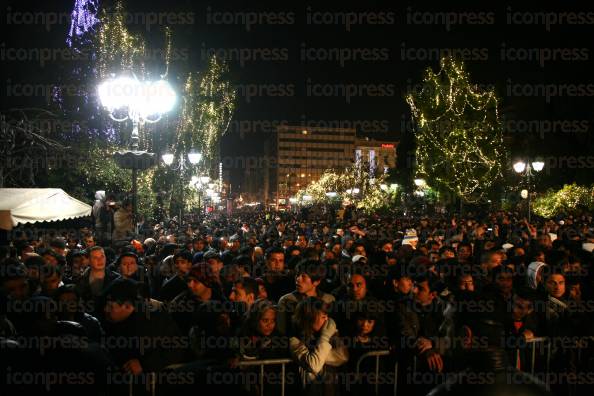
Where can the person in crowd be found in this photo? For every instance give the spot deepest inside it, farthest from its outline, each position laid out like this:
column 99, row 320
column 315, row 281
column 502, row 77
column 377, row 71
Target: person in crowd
column 316, row 347
column 309, row 274
column 97, row 277
column 277, row 279
column 123, row 223
column 177, row 283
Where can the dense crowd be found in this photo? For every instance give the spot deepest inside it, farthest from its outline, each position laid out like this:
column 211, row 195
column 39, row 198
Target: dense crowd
column 457, row 302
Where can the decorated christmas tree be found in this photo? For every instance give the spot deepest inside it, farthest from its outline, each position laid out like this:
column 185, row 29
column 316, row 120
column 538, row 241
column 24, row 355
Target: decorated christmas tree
column 459, row 144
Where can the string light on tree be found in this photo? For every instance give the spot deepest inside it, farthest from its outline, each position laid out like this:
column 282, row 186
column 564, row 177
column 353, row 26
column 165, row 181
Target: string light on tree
column 458, row 133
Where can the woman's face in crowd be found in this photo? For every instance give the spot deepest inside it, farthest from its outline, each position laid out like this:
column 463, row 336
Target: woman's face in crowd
column 321, row 318
column 365, row 326
column 267, row 322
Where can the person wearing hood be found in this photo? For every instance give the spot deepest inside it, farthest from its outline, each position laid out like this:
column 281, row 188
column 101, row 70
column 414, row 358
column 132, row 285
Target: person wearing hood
column 534, row 274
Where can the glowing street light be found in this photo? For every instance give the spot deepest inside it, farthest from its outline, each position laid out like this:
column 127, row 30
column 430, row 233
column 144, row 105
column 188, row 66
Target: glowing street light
column 525, row 170
column 127, row 98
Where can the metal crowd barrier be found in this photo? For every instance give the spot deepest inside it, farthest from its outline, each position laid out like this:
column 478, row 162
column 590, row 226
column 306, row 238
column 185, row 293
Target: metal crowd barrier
column 268, row 362
column 532, row 344
column 377, row 355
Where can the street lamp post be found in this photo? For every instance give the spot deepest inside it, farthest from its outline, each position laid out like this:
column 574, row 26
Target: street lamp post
column 525, row 169
column 127, row 98
column 193, row 158
column 200, row 183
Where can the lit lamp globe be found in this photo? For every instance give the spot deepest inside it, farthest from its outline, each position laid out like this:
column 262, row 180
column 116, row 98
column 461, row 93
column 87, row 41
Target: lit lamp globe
column 524, row 194
column 538, row 165
column 194, row 157
column 519, row 167
column 167, row 158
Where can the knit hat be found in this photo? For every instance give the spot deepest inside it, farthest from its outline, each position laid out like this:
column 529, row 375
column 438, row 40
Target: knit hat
column 122, row 290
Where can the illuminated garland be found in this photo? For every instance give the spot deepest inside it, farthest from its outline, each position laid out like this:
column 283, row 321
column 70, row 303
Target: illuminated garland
column 208, row 105
column 565, row 201
column 459, row 135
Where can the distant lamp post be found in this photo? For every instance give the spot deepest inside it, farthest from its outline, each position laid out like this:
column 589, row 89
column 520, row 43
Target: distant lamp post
column 127, row 98
column 193, row 158
column 525, row 170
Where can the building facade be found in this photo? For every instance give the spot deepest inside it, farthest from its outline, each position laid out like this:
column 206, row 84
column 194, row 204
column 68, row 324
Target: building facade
column 379, row 155
column 304, row 153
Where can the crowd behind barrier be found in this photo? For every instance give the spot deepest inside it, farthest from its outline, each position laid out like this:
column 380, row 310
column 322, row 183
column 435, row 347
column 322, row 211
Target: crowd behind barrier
column 309, row 303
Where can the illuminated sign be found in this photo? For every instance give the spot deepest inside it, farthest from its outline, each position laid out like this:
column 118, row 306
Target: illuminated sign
column 384, row 145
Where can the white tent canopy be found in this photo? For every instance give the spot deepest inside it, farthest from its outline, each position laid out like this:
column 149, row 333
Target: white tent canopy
column 31, row 205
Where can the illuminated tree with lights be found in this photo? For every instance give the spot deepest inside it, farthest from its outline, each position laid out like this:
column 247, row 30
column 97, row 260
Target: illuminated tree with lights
column 458, row 133
column 207, row 108
column 355, row 185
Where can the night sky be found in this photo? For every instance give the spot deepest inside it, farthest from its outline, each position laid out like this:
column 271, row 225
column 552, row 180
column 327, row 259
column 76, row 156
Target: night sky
column 386, row 48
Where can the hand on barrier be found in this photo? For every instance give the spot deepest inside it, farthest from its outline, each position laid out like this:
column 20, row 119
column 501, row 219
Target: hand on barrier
column 133, row 366
column 435, row 362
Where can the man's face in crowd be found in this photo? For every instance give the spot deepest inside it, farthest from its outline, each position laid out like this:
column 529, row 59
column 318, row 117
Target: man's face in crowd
column 17, row 288
column 215, row 265
column 434, row 257
column 357, row 287
column 466, row 283
column 555, row 285
column 521, row 308
column 198, row 288
column 182, row 265
column 198, row 245
column 448, row 254
column 504, row 282
column 360, row 249
column 423, row 293
column 118, row 311
column 403, row 285
column 79, row 263
column 464, row 252
column 128, row 266
column 235, row 245
column 276, row 262
column 287, row 243
column 51, row 282
column 267, row 322
column 239, row 294
column 97, row 260
column 387, row 247
column 304, row 284
column 89, row 242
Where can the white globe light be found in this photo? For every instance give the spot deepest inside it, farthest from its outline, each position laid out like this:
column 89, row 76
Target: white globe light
column 524, row 194
column 419, row 182
column 307, row 198
column 293, row 200
column 519, row 166
column 194, row 157
column 167, row 158
column 118, row 93
column 331, row 194
column 155, row 98
column 538, row 165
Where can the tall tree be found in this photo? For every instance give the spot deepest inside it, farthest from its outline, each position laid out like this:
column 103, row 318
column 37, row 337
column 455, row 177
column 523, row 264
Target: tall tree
column 459, row 143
